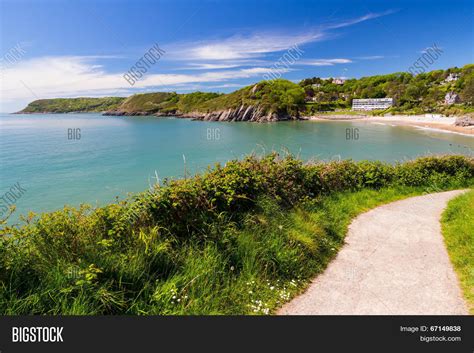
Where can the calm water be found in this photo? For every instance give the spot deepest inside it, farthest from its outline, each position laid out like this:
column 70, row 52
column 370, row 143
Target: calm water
column 117, row 155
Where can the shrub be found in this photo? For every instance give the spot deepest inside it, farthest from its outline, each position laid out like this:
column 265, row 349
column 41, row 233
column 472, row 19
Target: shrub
column 108, row 256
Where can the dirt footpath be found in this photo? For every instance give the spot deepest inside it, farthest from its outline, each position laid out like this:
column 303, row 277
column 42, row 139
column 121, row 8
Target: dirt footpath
column 394, row 262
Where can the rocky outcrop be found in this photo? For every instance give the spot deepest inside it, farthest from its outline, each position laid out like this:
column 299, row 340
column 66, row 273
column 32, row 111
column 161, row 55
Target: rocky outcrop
column 242, row 113
column 464, row 121
column 124, row 113
column 451, row 98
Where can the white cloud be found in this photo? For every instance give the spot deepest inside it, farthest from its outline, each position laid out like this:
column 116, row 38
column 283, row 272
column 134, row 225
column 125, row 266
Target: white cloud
column 371, row 57
column 242, row 47
column 207, row 66
column 226, row 85
column 434, row 47
column 360, row 19
column 223, row 64
column 324, row 62
column 237, row 57
column 257, row 45
column 74, row 76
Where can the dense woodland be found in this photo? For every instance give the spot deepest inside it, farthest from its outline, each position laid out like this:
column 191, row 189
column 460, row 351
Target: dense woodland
column 413, row 94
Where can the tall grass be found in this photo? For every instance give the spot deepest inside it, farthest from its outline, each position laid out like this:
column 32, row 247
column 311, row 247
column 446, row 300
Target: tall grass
column 240, row 239
column 458, row 230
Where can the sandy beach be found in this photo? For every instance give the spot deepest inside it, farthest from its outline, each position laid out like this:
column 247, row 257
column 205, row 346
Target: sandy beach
column 423, row 121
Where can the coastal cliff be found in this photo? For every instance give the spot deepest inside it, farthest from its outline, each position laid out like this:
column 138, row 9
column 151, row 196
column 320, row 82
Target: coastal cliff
column 242, row 113
column 262, row 102
column 276, row 100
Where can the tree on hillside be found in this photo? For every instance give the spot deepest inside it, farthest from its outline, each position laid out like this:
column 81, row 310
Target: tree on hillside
column 467, row 94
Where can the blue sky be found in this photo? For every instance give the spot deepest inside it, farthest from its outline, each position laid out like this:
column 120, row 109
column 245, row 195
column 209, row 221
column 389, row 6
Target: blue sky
column 83, row 48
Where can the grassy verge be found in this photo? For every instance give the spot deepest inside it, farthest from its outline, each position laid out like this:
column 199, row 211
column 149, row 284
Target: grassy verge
column 458, row 230
column 240, row 239
column 304, row 241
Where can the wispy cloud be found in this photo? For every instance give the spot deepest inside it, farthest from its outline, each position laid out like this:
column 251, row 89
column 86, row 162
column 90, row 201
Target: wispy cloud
column 351, row 22
column 207, row 66
column 74, row 76
column 242, row 47
column 213, row 63
column 223, row 64
column 324, row 62
column 258, row 45
column 370, row 57
column 426, row 49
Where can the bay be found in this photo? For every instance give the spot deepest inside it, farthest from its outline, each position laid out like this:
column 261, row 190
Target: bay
column 119, row 155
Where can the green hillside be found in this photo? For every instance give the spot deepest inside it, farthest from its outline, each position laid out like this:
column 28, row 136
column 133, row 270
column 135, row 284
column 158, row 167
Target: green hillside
column 145, row 102
column 69, row 105
column 279, row 96
column 166, row 102
column 423, row 93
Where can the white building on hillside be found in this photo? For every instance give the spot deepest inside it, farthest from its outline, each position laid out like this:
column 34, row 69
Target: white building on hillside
column 452, row 77
column 372, row 104
column 339, row 81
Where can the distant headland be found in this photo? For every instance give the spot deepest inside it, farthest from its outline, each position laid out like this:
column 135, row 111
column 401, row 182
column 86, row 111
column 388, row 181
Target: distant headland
column 447, row 92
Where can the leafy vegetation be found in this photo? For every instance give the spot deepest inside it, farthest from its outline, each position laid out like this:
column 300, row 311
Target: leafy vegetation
column 146, row 102
column 277, row 96
column 164, row 102
column 69, row 105
column 189, row 102
column 239, row 239
column 423, row 93
column 458, row 231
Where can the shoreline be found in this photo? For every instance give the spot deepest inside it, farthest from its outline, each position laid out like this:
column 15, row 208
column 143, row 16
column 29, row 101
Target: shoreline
column 439, row 124
column 442, row 124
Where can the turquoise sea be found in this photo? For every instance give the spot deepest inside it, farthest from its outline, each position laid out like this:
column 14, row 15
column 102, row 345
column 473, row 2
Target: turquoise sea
column 118, row 155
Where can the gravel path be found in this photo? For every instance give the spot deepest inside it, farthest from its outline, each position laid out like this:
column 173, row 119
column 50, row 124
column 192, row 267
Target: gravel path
column 394, row 262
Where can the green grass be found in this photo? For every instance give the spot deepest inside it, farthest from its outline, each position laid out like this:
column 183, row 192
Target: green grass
column 165, row 102
column 278, row 96
column 146, row 102
column 458, row 230
column 250, row 270
column 68, row 105
column 240, row 239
